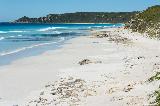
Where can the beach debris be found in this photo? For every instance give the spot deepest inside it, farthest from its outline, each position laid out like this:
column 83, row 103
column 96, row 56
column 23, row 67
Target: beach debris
column 65, row 91
column 113, row 89
column 102, row 34
column 117, row 98
column 112, row 36
column 156, row 66
column 134, row 100
column 87, row 61
column 140, row 57
column 119, row 39
column 128, row 88
column 95, row 42
column 42, row 93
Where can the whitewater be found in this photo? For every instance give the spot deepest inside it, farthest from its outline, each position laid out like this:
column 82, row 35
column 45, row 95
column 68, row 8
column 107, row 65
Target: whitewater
column 21, row 40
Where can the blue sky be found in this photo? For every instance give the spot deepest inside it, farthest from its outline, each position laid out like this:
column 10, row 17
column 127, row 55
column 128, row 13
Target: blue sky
column 13, row 9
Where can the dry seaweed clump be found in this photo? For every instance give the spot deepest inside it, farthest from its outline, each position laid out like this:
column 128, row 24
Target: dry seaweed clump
column 87, row 61
column 102, row 34
column 119, row 39
column 67, row 91
column 112, row 37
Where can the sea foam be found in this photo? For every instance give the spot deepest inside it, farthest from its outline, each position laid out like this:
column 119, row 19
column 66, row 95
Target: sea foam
column 3, row 32
column 30, row 47
column 50, row 28
column 1, row 38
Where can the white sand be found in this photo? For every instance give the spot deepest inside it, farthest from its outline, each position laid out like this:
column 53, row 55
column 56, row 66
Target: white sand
column 118, row 80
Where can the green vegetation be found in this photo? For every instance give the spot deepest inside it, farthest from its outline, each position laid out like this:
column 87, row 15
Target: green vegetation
column 156, row 94
column 147, row 21
column 81, row 17
column 155, row 77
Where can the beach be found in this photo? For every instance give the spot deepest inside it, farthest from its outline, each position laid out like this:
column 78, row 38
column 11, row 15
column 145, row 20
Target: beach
column 107, row 70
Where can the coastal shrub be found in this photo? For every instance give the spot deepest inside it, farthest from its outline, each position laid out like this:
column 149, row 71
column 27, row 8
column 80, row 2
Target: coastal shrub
column 155, row 77
column 147, row 21
column 157, row 98
column 156, row 94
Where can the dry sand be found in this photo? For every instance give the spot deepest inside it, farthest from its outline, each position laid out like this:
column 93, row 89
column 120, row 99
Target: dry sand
column 114, row 73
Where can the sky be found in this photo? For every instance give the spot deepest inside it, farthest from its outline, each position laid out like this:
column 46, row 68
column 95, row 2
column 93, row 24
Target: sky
column 13, row 9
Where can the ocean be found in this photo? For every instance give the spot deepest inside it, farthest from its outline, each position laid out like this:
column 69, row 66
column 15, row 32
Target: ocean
column 22, row 40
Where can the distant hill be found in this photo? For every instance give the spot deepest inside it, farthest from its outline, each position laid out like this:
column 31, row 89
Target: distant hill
column 81, row 17
column 147, row 21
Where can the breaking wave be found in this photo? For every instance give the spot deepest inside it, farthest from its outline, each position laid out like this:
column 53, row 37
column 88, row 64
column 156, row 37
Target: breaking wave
column 3, row 32
column 30, row 47
column 1, row 38
column 50, row 29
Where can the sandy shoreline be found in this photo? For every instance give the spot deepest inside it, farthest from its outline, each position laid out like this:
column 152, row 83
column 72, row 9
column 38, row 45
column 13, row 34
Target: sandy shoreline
column 115, row 75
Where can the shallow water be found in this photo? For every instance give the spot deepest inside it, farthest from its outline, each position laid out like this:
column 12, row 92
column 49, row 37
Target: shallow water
column 21, row 40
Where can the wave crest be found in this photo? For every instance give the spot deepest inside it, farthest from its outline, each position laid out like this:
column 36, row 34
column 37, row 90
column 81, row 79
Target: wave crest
column 30, row 47
column 1, row 38
column 50, row 28
column 3, row 32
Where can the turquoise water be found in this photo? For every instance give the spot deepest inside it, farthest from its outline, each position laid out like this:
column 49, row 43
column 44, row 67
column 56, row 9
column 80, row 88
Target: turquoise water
column 21, row 40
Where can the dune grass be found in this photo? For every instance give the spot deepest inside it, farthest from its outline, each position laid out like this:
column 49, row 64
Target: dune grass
column 156, row 94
